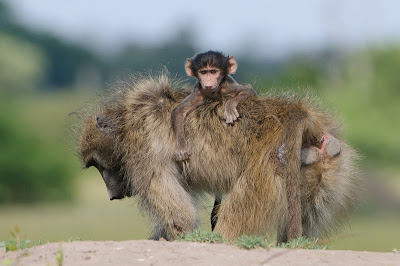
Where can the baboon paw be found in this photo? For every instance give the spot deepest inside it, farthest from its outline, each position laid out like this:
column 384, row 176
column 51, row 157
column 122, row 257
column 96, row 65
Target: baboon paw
column 182, row 155
column 231, row 116
column 332, row 147
column 309, row 156
column 230, row 120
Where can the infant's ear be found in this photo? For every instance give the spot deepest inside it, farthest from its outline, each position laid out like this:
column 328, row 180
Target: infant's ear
column 232, row 65
column 188, row 67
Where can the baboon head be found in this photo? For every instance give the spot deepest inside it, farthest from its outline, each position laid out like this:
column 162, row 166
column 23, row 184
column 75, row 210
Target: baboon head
column 98, row 149
column 210, row 68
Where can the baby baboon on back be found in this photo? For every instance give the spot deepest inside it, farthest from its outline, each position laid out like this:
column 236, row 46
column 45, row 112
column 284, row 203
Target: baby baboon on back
column 244, row 162
column 212, row 70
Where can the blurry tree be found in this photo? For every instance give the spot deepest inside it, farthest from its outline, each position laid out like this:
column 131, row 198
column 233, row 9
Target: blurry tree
column 373, row 90
column 141, row 57
column 31, row 170
column 385, row 68
column 22, row 64
column 4, row 14
column 64, row 60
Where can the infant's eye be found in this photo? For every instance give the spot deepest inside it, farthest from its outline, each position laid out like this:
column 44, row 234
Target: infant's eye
column 213, row 71
column 203, row 72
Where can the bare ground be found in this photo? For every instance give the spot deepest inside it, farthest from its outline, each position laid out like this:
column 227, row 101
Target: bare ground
column 146, row 252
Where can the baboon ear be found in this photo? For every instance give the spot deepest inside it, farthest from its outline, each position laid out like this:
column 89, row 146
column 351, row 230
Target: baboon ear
column 104, row 124
column 232, row 65
column 188, row 67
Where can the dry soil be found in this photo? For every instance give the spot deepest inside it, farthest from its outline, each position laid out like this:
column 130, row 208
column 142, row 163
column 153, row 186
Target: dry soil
column 146, row 252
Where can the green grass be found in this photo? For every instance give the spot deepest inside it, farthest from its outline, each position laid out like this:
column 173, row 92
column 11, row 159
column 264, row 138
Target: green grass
column 16, row 242
column 304, row 243
column 8, row 262
column 60, row 257
column 245, row 241
column 202, row 236
column 250, row 242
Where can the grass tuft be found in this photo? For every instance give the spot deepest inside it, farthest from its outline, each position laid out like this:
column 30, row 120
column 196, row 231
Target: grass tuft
column 201, row 236
column 15, row 243
column 247, row 242
column 8, row 262
column 250, row 242
column 60, row 257
column 304, row 243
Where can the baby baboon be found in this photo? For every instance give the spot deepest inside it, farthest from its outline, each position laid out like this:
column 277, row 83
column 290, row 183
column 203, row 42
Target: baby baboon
column 246, row 162
column 212, row 70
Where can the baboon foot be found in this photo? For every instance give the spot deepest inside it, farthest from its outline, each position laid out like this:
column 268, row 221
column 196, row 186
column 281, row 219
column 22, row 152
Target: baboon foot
column 330, row 147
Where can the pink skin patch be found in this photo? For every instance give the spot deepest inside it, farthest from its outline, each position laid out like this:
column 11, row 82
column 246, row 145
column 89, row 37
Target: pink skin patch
column 330, row 146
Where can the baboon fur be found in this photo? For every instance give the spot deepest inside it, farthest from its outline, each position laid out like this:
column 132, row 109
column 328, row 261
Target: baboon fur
column 239, row 161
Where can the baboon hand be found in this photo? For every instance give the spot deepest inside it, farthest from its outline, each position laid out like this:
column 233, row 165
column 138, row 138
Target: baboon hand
column 230, row 114
column 182, row 155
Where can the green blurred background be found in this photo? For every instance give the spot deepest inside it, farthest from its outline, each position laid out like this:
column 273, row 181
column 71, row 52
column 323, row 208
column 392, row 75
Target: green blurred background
column 45, row 75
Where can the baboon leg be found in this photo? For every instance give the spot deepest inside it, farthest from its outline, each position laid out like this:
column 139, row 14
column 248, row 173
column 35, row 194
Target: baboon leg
column 158, row 233
column 282, row 234
column 253, row 206
column 234, row 216
column 291, row 175
column 330, row 147
column 214, row 212
column 170, row 206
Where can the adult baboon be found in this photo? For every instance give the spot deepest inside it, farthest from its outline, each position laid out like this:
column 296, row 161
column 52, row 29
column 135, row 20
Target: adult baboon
column 246, row 162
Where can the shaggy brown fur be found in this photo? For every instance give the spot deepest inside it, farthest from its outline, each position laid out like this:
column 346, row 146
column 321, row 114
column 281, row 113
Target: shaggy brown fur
column 241, row 162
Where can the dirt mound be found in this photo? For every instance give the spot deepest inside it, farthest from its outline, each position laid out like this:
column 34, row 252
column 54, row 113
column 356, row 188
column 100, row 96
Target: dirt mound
column 145, row 252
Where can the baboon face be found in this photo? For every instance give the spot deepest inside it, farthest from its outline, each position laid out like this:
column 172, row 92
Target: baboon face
column 113, row 178
column 210, row 68
column 97, row 149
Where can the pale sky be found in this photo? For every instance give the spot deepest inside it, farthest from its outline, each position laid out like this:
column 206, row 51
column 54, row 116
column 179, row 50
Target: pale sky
column 263, row 27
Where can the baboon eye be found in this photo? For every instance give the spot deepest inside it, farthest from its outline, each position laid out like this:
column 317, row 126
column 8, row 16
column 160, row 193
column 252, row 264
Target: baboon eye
column 203, row 72
column 213, row 71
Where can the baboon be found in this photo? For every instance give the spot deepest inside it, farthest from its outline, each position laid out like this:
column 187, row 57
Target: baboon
column 245, row 162
column 212, row 70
